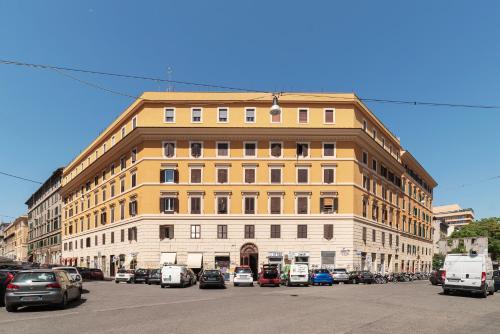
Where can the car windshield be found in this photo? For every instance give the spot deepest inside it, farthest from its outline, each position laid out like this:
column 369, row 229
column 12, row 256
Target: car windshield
column 34, row 277
column 321, row 271
column 122, row 271
column 271, row 273
column 69, row 270
column 211, row 273
column 243, row 271
column 340, row 271
column 141, row 271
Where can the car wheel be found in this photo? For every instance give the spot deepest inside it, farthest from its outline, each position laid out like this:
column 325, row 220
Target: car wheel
column 117, row 282
column 446, row 291
column 492, row 292
column 162, row 286
column 354, row 281
column 201, row 286
column 63, row 302
column 10, row 308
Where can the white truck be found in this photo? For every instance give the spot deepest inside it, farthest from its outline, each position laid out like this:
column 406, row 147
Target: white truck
column 468, row 272
column 174, row 275
column 298, row 275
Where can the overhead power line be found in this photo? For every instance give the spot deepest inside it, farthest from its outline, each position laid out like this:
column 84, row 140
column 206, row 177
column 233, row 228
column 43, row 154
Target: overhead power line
column 20, row 177
column 233, row 88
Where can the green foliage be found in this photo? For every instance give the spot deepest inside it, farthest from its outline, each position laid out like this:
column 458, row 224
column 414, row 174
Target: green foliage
column 487, row 227
column 437, row 261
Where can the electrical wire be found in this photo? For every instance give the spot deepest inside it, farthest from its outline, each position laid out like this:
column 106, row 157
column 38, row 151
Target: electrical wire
column 20, row 177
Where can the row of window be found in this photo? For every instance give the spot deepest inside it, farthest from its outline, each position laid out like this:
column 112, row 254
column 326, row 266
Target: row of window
column 223, row 149
column 249, row 115
column 50, row 241
column 410, row 249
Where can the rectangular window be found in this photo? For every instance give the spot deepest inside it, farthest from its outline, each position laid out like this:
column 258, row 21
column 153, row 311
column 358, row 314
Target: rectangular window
column 249, row 231
column 103, row 238
column 329, row 205
column 275, row 231
column 302, row 207
column 329, row 116
column 383, row 238
column 123, row 163
column 275, row 175
column 366, row 182
column 374, row 235
column 222, row 175
column 169, row 115
column 134, row 122
column 250, row 149
column 196, row 115
column 112, row 214
column 132, row 208
column 112, row 237
column 133, row 155
column 223, row 149
column 196, row 150
column 123, row 132
column 328, row 175
column 374, row 165
column 112, row 186
column 195, row 175
column 132, row 234
column 195, row 203
column 275, row 205
column 249, row 115
column 133, row 180
column 168, row 205
column 166, row 232
column 302, row 150
column 168, row 176
column 221, row 231
column 302, row 231
column 195, row 231
column 303, row 115
column 103, row 194
column 103, row 217
column 364, row 234
column 222, row 115
column 275, row 150
column 222, row 205
column 122, row 184
column 302, row 175
column 169, row 149
column 122, row 236
column 328, row 231
column 249, row 175
column 328, row 150
column 249, row 205
column 365, row 158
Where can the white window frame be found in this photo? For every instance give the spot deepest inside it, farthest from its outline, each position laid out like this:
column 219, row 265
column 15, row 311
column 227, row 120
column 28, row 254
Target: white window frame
column 165, row 114
column 297, row 174
column 334, row 150
column 228, row 149
column 256, row 203
column 217, row 174
column 298, row 115
column 324, row 115
column 228, row 205
column 173, row 180
column 131, row 155
column 254, row 115
column 201, row 114
column 175, row 148
column 195, row 233
column 281, row 174
column 196, row 142
column 123, row 132
column 218, row 113
column 323, row 174
column 282, row 149
column 134, row 122
column 202, row 209
column 245, row 151
column 255, row 174
column 281, row 196
column 308, row 203
column 201, row 175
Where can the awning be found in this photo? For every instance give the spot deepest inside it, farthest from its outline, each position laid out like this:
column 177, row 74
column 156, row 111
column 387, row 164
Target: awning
column 167, row 257
column 194, row 260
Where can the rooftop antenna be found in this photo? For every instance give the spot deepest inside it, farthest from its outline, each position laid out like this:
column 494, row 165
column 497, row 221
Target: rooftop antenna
column 170, row 85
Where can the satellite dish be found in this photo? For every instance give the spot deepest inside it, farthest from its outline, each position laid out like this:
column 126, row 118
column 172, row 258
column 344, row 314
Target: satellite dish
column 275, row 108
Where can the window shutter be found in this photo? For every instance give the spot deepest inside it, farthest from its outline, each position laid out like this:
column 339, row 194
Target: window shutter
column 276, row 149
column 129, row 234
column 249, row 175
column 162, row 176
column 275, row 205
column 302, row 175
column 176, row 176
column 302, row 205
column 130, row 208
column 329, row 116
column 195, row 175
column 302, row 116
column 176, row 205
column 222, row 177
column 275, row 175
column 162, row 205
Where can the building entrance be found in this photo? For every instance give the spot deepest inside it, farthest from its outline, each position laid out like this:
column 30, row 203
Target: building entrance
column 249, row 256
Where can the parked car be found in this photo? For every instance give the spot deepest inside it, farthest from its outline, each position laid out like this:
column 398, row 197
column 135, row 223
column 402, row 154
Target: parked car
column 141, row 276
column 6, row 277
column 192, row 276
column 175, row 275
column 356, row 277
column 41, row 287
column 470, row 272
column 269, row 275
column 75, row 275
column 436, row 277
column 96, row 274
column 84, row 272
column 340, row 275
column 496, row 279
column 298, row 275
column 321, row 276
column 154, row 276
column 243, row 275
column 124, row 275
column 212, row 278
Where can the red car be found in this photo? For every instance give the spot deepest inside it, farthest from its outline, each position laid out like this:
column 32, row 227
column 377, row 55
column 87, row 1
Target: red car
column 269, row 275
column 96, row 274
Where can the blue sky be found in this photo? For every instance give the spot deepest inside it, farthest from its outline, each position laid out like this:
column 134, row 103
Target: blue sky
column 444, row 51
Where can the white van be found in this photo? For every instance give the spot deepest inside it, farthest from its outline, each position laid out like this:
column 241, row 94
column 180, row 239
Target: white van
column 174, row 275
column 298, row 275
column 472, row 273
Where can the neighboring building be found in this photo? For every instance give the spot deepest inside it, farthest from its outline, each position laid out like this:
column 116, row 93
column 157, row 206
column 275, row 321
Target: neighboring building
column 3, row 226
column 44, row 220
column 454, row 216
column 440, row 232
column 16, row 239
column 216, row 180
column 475, row 244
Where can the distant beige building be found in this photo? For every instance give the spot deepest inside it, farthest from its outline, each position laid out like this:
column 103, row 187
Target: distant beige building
column 453, row 215
column 440, row 232
column 475, row 244
column 16, row 239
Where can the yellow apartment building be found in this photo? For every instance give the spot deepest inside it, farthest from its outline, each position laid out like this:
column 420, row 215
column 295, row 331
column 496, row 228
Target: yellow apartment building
column 219, row 180
column 16, row 240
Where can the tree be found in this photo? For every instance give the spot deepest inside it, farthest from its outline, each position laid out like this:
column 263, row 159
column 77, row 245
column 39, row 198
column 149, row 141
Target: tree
column 437, row 261
column 487, row 227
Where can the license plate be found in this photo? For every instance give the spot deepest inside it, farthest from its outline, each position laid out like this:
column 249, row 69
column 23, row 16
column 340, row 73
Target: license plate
column 31, row 299
column 212, row 279
column 453, row 279
column 169, row 278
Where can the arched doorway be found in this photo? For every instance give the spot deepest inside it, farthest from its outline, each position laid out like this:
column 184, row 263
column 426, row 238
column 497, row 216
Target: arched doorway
column 249, row 256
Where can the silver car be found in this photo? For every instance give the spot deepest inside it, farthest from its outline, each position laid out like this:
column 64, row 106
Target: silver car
column 74, row 274
column 40, row 287
column 340, row 275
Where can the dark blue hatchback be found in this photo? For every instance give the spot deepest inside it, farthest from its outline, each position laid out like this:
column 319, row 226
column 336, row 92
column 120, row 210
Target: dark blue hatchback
column 321, row 276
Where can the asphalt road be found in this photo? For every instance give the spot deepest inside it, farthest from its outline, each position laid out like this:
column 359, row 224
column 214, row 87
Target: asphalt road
column 413, row 307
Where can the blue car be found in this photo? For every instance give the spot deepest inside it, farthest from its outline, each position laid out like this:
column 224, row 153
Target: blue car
column 321, row 276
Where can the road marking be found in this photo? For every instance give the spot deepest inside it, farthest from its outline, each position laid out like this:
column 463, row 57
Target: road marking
column 55, row 315
column 154, row 305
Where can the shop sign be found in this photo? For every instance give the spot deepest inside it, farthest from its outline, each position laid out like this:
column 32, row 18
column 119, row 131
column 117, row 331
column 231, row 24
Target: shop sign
column 274, row 254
